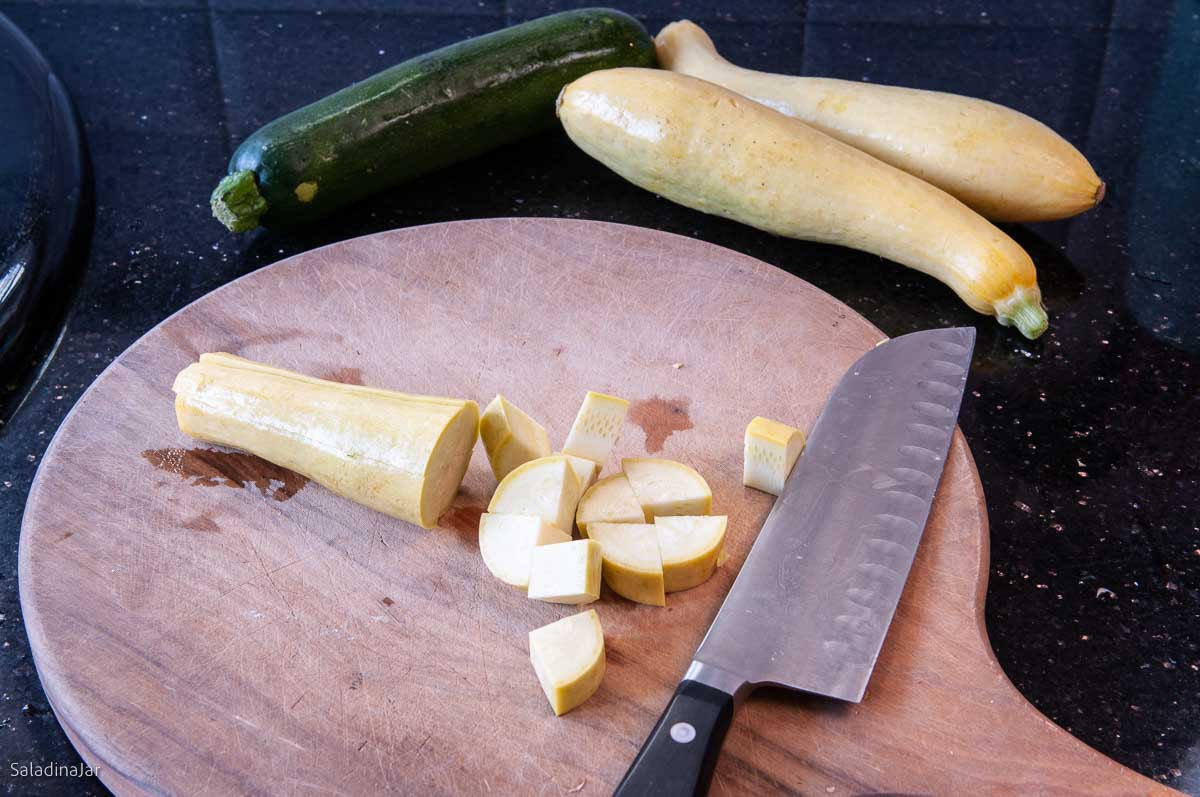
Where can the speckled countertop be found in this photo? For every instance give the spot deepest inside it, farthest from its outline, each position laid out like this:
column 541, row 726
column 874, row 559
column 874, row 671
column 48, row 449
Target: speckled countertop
column 1086, row 439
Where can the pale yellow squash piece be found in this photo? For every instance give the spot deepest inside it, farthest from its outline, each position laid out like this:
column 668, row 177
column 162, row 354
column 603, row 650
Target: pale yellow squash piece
column 610, row 500
column 566, row 572
column 771, row 449
column 507, row 542
column 690, row 547
column 632, row 562
column 510, row 437
column 597, row 427
column 545, row 487
column 666, row 487
column 585, row 470
column 568, row 657
column 401, row 454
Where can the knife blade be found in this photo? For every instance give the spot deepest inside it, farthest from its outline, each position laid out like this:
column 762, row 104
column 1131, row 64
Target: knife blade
column 812, row 604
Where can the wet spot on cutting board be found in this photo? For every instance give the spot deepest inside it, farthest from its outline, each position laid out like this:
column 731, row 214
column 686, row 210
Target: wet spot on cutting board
column 347, row 376
column 206, row 467
column 660, row 418
column 463, row 518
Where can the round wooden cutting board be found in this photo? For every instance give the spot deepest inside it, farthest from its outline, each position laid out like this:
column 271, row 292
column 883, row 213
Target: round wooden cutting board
column 206, row 623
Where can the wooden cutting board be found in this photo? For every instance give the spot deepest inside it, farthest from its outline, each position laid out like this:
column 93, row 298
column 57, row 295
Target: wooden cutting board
column 206, row 623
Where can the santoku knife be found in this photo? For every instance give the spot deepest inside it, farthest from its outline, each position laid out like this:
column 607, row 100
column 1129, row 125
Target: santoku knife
column 813, row 602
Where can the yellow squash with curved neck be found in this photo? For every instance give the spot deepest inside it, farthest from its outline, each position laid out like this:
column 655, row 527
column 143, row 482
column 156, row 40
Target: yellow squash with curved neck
column 710, row 149
column 1004, row 164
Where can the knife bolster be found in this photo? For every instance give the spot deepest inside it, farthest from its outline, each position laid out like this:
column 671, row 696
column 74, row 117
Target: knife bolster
column 731, row 684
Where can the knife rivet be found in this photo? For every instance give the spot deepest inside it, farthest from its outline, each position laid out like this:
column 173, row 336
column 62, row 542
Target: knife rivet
column 683, row 732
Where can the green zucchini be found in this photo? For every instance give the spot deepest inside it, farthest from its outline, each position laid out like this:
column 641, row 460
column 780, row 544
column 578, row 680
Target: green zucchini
column 419, row 116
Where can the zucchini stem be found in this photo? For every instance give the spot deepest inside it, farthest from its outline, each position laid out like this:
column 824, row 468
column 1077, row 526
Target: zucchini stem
column 237, row 203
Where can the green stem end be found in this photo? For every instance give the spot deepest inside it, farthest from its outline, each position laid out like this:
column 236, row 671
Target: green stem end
column 237, row 203
column 1031, row 319
column 1024, row 310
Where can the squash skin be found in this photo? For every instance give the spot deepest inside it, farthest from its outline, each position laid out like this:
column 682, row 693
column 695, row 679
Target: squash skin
column 400, row 454
column 712, row 150
column 1003, row 164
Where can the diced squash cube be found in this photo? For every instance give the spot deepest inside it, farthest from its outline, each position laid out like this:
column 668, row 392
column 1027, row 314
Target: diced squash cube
column 568, row 657
column 690, row 546
column 585, row 470
column 510, row 437
column 666, row 487
column 610, row 500
column 566, row 572
column 632, row 563
column 506, row 543
column 771, row 450
column 597, row 427
column 545, row 487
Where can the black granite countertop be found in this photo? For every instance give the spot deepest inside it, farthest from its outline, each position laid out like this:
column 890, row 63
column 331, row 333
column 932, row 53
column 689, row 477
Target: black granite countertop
column 1085, row 439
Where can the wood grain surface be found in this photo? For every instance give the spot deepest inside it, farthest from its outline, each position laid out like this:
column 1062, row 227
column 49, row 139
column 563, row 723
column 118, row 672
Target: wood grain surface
column 206, row 623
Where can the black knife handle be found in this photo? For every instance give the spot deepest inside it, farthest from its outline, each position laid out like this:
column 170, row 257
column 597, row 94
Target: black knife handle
column 677, row 759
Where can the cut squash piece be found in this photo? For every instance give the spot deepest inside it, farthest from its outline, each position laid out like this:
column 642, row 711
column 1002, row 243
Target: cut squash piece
column 545, row 487
column 507, row 542
column 401, row 454
column 597, row 427
column 568, row 657
column 510, row 437
column 585, row 470
column 689, row 546
column 610, row 500
column 665, row 487
column 771, row 450
column 566, row 572
column 632, row 563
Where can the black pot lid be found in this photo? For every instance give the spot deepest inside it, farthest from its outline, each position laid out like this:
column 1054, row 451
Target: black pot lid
column 45, row 212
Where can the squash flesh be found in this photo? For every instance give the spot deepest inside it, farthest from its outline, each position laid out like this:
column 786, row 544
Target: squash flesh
column 666, row 487
column 507, row 542
column 771, row 450
column 690, row 547
column 545, row 487
column 566, row 572
column 632, row 562
column 568, row 658
column 511, row 437
column 609, row 500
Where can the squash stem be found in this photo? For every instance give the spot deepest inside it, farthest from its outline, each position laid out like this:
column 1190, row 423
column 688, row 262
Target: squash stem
column 1029, row 317
column 237, row 203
